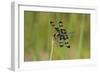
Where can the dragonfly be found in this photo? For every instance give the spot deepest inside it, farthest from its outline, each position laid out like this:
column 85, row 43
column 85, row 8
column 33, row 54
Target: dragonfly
column 60, row 34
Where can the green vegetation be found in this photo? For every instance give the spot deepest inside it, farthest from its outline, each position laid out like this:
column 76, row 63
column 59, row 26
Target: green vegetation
column 38, row 36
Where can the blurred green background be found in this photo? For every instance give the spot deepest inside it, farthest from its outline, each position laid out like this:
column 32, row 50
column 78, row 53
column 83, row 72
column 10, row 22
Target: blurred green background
column 38, row 34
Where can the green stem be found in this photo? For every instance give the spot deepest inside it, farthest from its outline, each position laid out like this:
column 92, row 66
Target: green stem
column 81, row 36
column 51, row 53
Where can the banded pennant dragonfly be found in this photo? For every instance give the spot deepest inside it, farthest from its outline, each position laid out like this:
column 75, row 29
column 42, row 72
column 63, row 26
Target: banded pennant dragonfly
column 60, row 34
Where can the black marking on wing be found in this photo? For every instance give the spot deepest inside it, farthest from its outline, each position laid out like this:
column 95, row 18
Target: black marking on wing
column 61, row 34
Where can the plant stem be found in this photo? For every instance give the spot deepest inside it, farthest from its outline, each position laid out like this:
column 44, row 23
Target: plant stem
column 81, row 36
column 51, row 53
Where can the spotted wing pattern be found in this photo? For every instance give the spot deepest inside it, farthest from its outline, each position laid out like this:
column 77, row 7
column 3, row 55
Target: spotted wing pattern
column 60, row 34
